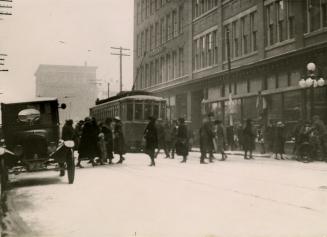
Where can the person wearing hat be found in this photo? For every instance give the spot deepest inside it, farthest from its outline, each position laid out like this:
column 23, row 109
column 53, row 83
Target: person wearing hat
column 151, row 139
column 249, row 135
column 68, row 132
column 206, row 139
column 182, row 140
column 220, row 139
column 119, row 140
column 279, row 140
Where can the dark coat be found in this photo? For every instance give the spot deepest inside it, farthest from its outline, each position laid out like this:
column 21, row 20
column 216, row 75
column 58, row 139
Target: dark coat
column 108, row 137
column 68, row 133
column 151, row 137
column 248, row 138
column 119, row 140
column 160, row 135
column 88, row 146
column 279, row 140
column 182, row 141
column 206, row 137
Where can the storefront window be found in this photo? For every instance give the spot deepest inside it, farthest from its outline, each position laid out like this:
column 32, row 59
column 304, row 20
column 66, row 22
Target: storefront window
column 216, row 109
column 249, row 108
column 274, row 106
column 293, row 111
column 320, row 102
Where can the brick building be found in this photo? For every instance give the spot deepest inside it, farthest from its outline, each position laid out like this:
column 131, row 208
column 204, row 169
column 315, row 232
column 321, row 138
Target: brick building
column 270, row 43
column 73, row 85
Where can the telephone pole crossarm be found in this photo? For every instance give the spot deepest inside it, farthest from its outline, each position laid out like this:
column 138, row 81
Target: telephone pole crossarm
column 120, row 54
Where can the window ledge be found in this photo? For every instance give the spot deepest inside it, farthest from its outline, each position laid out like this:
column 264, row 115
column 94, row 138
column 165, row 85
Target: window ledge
column 205, row 14
column 165, row 83
column 316, row 32
column 241, row 57
column 205, row 68
column 279, row 44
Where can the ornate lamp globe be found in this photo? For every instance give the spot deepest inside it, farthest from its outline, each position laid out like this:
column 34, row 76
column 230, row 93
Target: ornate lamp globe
column 321, row 82
column 311, row 67
column 315, row 83
column 309, row 82
column 302, row 83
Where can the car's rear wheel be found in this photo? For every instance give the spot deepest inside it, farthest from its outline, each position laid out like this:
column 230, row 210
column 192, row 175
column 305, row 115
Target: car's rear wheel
column 4, row 175
column 70, row 166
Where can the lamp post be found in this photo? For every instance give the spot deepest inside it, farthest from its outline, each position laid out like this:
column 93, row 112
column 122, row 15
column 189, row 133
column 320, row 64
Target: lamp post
column 311, row 81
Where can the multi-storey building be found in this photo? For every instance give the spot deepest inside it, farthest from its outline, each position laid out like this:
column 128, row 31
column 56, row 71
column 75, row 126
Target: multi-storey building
column 73, row 85
column 241, row 58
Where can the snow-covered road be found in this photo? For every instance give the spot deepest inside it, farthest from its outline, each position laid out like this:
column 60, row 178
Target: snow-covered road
column 261, row 197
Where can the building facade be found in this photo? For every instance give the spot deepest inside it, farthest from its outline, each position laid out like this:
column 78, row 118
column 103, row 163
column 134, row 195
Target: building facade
column 73, row 85
column 241, row 58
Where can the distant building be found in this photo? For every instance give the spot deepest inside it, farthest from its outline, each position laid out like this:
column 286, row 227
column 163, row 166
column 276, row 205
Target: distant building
column 73, row 85
column 182, row 54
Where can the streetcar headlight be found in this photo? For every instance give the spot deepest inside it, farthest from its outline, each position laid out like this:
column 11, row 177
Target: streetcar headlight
column 69, row 144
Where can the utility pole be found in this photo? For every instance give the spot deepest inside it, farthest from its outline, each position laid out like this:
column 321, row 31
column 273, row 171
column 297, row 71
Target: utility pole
column 229, row 77
column 120, row 54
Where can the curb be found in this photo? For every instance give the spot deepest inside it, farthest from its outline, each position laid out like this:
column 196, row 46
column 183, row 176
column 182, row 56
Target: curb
column 11, row 223
column 240, row 153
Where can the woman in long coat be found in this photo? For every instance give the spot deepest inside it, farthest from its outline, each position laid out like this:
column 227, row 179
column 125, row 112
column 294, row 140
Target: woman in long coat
column 151, row 139
column 279, row 140
column 182, row 140
column 119, row 140
column 220, row 139
column 248, row 139
column 108, row 137
column 88, row 147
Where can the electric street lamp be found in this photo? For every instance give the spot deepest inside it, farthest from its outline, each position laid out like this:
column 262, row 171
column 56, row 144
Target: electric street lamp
column 311, row 81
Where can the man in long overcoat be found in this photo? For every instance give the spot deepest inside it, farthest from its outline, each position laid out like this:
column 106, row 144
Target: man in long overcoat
column 119, row 140
column 206, row 139
column 151, row 139
column 182, row 145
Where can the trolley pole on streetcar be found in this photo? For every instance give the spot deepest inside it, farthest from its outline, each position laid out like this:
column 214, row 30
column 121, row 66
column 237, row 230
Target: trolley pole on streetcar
column 120, row 54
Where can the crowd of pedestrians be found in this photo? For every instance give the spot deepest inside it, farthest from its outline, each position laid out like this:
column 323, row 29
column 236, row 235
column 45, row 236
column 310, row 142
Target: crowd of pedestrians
column 98, row 143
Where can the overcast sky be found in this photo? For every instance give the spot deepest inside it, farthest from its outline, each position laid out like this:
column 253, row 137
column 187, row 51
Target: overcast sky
column 88, row 28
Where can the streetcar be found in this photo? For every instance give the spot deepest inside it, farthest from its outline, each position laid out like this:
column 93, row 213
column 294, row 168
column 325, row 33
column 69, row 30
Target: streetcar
column 133, row 108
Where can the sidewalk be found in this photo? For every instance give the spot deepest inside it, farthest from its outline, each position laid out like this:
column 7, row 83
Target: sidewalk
column 241, row 153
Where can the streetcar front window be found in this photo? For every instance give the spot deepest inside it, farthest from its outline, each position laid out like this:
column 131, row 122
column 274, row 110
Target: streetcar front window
column 129, row 112
column 147, row 110
column 156, row 111
column 163, row 111
column 138, row 111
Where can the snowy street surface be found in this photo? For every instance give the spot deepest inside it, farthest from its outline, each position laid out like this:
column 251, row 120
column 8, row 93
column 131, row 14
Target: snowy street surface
column 236, row 198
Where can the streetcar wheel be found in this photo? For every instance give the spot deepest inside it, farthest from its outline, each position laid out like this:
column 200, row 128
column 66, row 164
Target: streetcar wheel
column 70, row 167
column 4, row 175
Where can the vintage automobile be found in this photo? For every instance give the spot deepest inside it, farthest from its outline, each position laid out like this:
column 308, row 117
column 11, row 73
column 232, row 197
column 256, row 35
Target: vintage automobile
column 30, row 142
